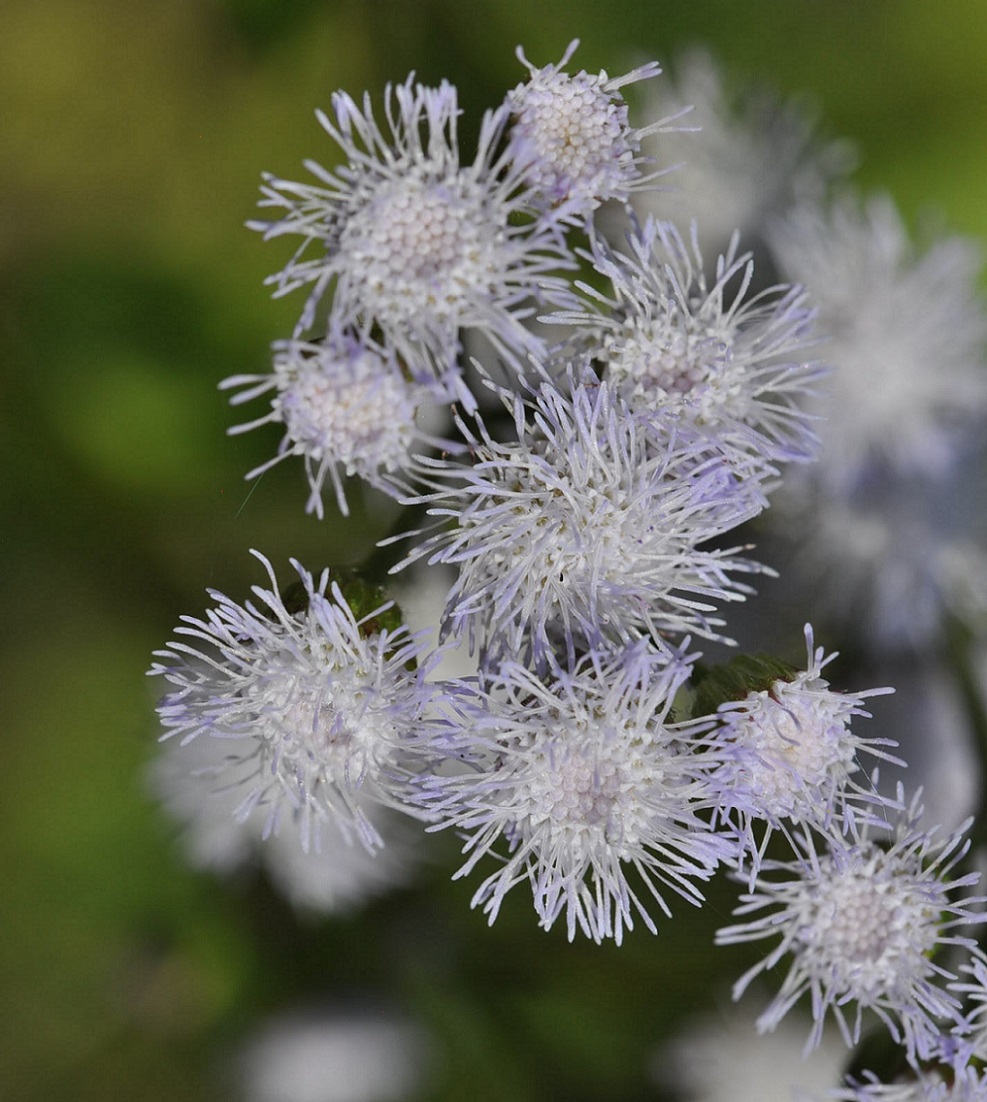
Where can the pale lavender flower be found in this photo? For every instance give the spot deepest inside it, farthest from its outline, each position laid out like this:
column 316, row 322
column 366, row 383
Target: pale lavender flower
column 863, row 922
column 888, row 523
column 415, row 244
column 906, row 334
column 755, row 157
column 973, row 1032
column 314, row 706
column 968, row 1084
column 578, row 777
column 790, row 756
column 348, row 408
column 679, row 347
column 575, row 135
column 895, row 556
column 584, row 528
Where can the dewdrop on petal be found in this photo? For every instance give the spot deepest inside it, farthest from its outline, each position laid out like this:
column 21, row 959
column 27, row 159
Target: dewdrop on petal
column 314, row 703
column 348, row 409
column 575, row 134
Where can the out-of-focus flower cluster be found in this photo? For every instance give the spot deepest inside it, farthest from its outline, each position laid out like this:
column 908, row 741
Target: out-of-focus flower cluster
column 590, row 490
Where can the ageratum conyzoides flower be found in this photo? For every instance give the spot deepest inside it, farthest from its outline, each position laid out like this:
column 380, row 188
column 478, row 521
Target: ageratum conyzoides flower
column 314, row 703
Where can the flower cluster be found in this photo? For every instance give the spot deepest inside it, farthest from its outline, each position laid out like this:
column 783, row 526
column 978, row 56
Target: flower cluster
column 588, row 497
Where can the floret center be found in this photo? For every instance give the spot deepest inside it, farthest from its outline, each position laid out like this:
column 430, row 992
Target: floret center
column 662, row 362
column 578, row 132
column 420, row 245
column 353, row 412
column 867, row 930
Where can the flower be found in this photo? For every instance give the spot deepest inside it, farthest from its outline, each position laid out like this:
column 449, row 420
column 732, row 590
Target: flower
column 416, row 244
column 789, row 752
column 721, row 1059
column 201, row 786
column 906, row 336
column 862, row 922
column 575, row 136
column 885, row 522
column 895, row 557
column 312, row 702
column 579, row 774
column 755, row 157
column 974, row 1029
column 676, row 348
column 923, row 1085
column 340, row 1054
column 347, row 409
column 586, row 527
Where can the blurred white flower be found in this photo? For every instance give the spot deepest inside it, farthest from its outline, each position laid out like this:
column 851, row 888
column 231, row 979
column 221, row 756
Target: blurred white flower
column 927, row 717
column 890, row 559
column 360, row 1056
column 905, row 331
column 754, row 155
column 195, row 785
column 723, row 1059
column 421, row 593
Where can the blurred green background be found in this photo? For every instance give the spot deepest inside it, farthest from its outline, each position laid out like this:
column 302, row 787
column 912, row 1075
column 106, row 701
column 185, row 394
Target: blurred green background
column 132, row 136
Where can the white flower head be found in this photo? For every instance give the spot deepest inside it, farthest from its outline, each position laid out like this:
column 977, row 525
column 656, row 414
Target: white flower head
column 347, row 409
column 790, row 754
column 677, row 346
column 417, row 245
column 583, row 781
column 575, row 134
column 344, row 1054
column 720, row 1058
column 862, row 923
column 201, row 786
column 314, row 705
column 906, row 335
column 894, row 557
column 755, row 155
column 585, row 528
